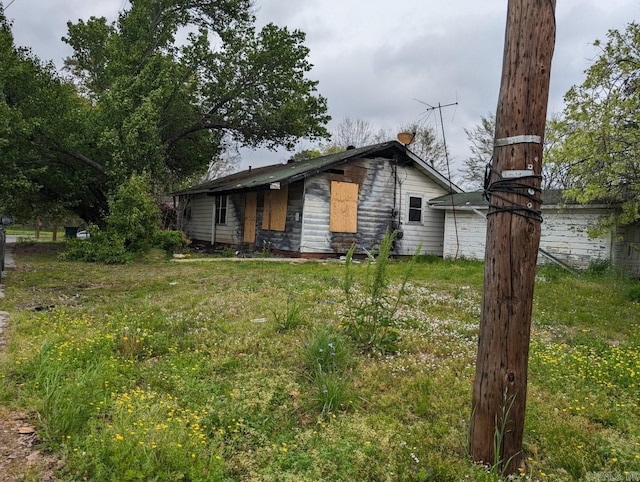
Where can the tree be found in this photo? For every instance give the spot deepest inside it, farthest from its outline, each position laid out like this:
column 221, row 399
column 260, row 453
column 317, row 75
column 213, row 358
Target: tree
column 354, row 132
column 139, row 101
column 599, row 133
column 481, row 140
column 426, row 146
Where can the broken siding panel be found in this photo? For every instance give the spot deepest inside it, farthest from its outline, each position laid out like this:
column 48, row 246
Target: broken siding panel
column 198, row 224
column 429, row 231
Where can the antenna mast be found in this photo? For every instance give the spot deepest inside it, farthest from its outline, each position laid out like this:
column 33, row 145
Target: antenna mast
column 446, row 157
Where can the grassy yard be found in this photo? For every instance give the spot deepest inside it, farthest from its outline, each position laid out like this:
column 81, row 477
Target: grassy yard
column 246, row 371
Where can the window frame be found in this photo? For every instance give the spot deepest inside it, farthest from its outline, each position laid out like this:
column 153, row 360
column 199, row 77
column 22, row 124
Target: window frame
column 222, row 204
column 412, row 209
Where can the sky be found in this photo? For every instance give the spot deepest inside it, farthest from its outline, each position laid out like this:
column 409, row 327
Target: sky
column 385, row 62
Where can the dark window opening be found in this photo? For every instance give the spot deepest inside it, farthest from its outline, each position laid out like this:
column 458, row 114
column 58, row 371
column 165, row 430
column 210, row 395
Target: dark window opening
column 415, row 209
column 221, row 210
column 336, row 171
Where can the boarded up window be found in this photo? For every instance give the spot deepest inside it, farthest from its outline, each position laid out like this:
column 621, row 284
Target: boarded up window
column 274, row 214
column 343, row 215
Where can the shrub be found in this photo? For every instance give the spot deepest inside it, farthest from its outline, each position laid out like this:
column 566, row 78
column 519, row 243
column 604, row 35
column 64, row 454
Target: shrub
column 171, row 241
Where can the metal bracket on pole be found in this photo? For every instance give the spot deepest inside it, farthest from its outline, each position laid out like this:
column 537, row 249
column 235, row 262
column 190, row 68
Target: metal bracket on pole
column 525, row 139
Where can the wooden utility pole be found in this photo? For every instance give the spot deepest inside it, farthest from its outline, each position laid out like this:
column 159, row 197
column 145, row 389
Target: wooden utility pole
column 513, row 236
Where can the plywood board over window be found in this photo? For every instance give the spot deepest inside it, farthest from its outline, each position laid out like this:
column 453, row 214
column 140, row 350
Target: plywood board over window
column 274, row 215
column 343, row 214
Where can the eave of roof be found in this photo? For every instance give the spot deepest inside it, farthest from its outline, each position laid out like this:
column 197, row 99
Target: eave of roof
column 263, row 177
column 551, row 198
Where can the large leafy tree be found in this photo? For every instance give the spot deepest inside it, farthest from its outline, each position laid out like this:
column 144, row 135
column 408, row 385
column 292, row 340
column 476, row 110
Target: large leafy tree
column 598, row 137
column 162, row 90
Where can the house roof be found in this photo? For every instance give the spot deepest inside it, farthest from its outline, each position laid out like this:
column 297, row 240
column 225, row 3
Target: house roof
column 476, row 200
column 263, row 177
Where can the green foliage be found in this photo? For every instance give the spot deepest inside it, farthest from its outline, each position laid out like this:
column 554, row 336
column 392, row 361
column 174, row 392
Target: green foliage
column 171, row 241
column 136, row 99
column 132, row 226
column 633, row 293
column 599, row 133
column 292, row 316
column 133, row 214
column 102, row 247
column 159, row 373
column 327, row 359
column 369, row 319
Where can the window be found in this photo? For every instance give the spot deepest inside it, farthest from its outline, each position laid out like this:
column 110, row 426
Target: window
column 221, row 209
column 415, row 209
column 343, row 212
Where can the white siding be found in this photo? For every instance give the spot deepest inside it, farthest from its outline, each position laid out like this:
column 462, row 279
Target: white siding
column 198, row 224
column 564, row 235
column 315, row 216
column 230, row 231
column 464, row 235
column 198, row 227
column 375, row 210
column 429, row 231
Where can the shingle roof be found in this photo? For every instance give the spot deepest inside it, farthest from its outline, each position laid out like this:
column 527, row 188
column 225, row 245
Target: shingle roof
column 287, row 173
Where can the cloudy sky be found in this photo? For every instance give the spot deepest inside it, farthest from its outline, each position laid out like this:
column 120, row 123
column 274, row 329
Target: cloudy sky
column 381, row 61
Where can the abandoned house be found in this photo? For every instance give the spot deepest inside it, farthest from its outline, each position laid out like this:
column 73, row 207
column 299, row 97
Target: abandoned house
column 321, row 206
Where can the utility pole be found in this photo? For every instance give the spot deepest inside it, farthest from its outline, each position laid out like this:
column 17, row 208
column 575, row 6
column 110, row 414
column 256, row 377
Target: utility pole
column 513, row 236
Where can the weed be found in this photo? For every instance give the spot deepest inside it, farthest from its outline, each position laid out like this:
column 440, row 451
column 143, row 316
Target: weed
column 370, row 311
column 291, row 318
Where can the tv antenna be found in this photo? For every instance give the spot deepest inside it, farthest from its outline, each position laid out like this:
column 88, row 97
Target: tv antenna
column 431, row 108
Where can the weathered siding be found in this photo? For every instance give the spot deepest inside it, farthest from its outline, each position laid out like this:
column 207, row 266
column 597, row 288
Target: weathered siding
column 198, row 225
column 464, row 235
column 429, row 231
column 375, row 204
column 564, row 235
column 289, row 239
column 231, row 231
column 626, row 249
column 198, row 217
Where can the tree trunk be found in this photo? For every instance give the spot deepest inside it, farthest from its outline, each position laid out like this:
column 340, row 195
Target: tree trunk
column 513, row 236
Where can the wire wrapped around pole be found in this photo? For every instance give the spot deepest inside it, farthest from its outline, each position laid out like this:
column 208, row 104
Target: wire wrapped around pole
column 500, row 187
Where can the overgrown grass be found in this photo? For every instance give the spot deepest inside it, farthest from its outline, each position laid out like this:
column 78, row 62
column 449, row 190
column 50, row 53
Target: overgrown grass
column 193, row 371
